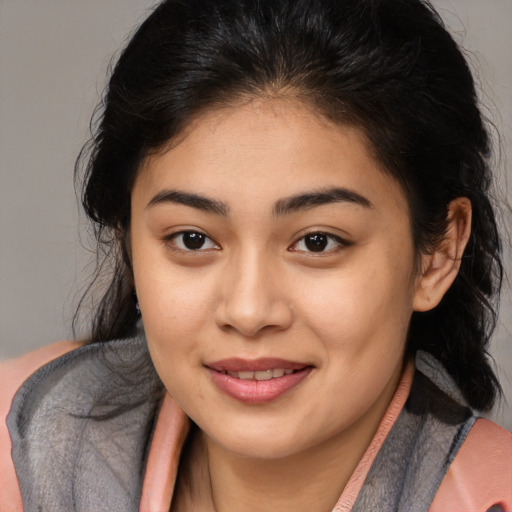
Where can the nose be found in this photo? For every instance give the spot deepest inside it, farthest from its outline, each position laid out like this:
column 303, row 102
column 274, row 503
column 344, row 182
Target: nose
column 253, row 299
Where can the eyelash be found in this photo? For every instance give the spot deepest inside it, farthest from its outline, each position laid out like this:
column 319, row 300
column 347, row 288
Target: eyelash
column 171, row 241
column 324, row 237
column 330, row 238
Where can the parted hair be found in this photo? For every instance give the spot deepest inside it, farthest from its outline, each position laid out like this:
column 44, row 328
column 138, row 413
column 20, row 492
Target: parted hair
column 389, row 67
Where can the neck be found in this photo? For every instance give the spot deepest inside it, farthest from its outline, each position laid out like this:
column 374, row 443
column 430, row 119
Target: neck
column 311, row 480
column 216, row 480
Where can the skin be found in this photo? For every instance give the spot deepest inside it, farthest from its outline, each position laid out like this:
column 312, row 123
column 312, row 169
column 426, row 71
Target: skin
column 256, row 290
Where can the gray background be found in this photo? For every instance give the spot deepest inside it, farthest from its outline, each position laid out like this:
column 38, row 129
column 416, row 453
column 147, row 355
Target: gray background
column 54, row 55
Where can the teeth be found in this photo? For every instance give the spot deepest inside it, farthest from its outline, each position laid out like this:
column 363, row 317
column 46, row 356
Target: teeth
column 274, row 373
column 263, row 375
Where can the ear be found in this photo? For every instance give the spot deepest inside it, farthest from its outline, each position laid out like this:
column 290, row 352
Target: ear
column 439, row 269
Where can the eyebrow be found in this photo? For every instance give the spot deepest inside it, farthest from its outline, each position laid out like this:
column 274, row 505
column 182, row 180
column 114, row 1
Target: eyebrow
column 308, row 200
column 282, row 207
column 188, row 199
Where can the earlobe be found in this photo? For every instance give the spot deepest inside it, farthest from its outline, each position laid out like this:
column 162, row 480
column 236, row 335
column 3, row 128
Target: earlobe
column 439, row 268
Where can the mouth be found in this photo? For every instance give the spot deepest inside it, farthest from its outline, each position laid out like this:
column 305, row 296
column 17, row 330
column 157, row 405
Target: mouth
column 257, row 381
column 274, row 373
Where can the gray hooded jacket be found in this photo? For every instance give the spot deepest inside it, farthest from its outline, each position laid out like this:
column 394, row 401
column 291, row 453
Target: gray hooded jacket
column 81, row 427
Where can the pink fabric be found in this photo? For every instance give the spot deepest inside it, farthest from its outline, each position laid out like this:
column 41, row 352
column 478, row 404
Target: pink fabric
column 351, row 491
column 479, row 477
column 170, row 433
column 162, row 467
column 481, row 474
column 12, row 375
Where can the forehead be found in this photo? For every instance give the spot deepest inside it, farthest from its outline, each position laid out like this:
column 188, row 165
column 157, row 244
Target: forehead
column 263, row 150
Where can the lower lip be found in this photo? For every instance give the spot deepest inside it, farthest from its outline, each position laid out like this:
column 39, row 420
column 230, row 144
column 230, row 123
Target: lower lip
column 257, row 391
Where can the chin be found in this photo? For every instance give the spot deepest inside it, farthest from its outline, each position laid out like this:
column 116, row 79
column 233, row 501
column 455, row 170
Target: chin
column 262, row 450
column 261, row 444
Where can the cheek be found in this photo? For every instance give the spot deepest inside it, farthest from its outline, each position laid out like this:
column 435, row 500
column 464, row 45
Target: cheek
column 172, row 324
column 172, row 308
column 358, row 302
column 171, row 298
column 173, row 317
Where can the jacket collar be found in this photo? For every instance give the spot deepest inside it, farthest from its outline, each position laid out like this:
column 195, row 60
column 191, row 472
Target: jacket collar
column 94, row 430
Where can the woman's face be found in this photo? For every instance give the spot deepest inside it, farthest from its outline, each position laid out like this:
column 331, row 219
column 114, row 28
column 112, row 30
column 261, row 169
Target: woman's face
column 275, row 272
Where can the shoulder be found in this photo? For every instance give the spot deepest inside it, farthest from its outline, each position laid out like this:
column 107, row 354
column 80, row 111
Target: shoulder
column 13, row 374
column 15, row 371
column 480, row 476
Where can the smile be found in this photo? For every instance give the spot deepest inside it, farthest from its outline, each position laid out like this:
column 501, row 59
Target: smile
column 275, row 373
column 258, row 381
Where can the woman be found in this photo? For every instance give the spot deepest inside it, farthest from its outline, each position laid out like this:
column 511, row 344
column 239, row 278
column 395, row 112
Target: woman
column 293, row 197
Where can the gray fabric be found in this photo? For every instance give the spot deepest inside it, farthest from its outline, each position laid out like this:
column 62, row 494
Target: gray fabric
column 81, row 427
column 428, row 365
column 415, row 456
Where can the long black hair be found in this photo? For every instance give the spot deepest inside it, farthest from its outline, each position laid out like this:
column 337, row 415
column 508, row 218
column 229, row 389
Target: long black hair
column 387, row 66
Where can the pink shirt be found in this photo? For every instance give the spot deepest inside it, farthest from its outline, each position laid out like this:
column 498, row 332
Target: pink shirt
column 479, row 477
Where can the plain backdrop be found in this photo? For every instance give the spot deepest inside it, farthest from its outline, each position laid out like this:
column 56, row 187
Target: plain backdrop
column 54, row 56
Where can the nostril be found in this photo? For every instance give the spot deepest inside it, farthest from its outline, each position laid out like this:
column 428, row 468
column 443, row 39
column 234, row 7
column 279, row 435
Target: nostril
column 251, row 307
column 246, row 331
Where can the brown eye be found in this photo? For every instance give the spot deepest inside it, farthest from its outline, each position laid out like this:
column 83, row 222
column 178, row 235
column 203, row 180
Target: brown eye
column 192, row 241
column 318, row 242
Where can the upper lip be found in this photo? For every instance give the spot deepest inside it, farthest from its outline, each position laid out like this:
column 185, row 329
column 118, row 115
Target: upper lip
column 236, row 364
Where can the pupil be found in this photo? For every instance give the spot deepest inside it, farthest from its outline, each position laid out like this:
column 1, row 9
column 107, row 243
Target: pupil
column 316, row 242
column 193, row 240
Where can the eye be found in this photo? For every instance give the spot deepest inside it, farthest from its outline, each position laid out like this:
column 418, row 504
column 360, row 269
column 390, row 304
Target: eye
column 191, row 241
column 318, row 242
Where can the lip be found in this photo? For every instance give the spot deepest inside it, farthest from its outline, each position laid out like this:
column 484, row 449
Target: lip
column 236, row 364
column 254, row 391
